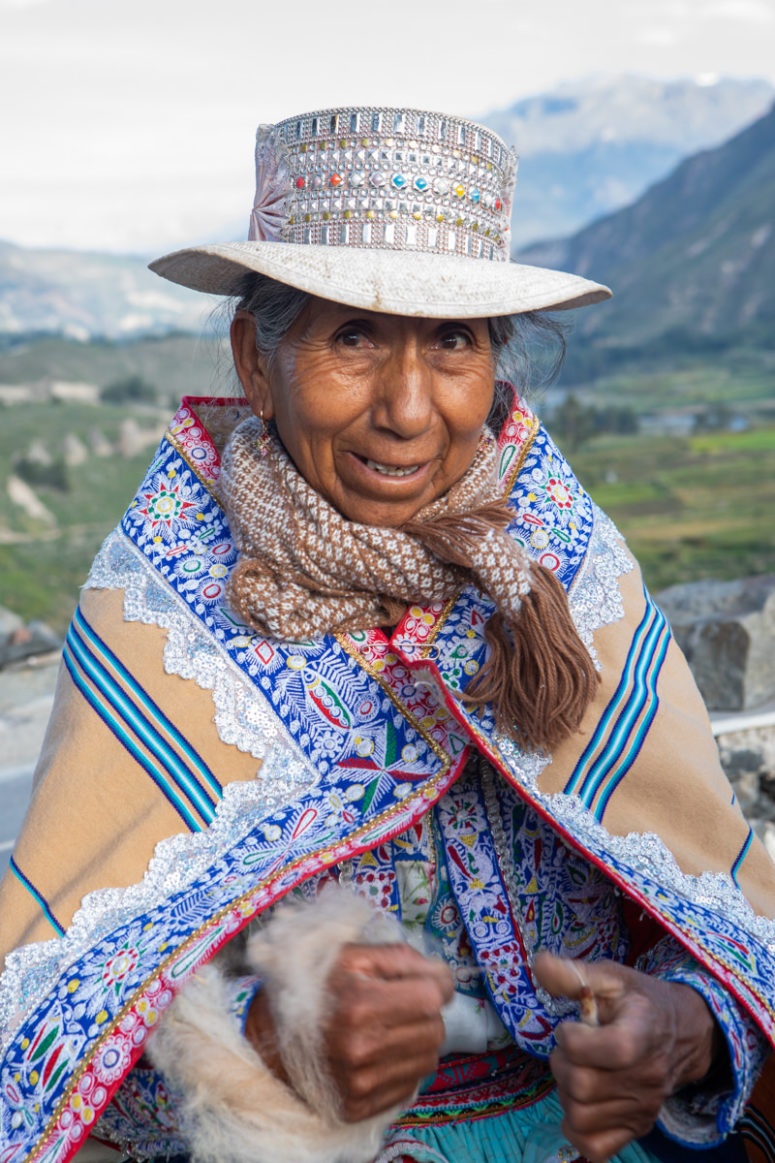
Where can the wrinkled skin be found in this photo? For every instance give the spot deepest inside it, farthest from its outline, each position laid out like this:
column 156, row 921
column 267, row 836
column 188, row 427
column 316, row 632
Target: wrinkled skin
column 385, row 1031
column 384, row 1028
column 347, row 386
column 653, row 1038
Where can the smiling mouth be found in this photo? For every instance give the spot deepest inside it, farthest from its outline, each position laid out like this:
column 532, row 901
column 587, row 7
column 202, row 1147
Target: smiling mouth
column 391, row 470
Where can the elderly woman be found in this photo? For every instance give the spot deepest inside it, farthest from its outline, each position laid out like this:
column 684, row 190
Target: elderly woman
column 364, row 674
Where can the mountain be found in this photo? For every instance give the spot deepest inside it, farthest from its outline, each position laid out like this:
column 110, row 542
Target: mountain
column 588, row 148
column 82, row 294
column 695, row 255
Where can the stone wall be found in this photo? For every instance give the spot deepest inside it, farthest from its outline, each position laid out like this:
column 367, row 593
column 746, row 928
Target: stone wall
column 727, row 632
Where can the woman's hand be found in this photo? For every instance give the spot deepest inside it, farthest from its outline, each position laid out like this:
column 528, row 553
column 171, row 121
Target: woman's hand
column 384, row 1030
column 654, row 1037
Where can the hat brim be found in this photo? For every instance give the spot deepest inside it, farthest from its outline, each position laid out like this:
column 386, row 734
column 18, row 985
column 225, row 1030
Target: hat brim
column 393, row 281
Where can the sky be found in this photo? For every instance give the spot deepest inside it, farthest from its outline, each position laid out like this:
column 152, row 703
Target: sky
column 129, row 127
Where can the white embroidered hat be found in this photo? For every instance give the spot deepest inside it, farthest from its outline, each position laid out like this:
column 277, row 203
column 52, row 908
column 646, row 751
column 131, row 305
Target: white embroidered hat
column 394, row 210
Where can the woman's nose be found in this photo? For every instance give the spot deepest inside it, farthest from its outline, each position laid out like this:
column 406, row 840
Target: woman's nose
column 405, row 392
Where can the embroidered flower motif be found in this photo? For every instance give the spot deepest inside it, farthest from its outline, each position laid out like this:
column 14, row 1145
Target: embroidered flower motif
column 559, row 492
column 273, row 185
column 165, row 506
column 338, row 809
column 112, row 1060
column 119, row 966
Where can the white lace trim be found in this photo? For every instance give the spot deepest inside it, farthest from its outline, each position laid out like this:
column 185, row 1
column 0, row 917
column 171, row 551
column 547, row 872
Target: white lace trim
column 32, row 970
column 241, row 718
column 595, row 598
column 595, row 601
column 242, row 714
column 646, row 852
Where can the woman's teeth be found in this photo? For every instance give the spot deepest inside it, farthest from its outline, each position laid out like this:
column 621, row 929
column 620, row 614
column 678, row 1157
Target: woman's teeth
column 392, row 470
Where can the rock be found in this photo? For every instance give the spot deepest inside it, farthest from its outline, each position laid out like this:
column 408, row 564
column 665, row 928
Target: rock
column 100, row 445
column 20, row 493
column 74, row 392
column 130, row 440
column 727, row 632
column 74, row 450
column 9, row 622
column 748, row 758
column 24, row 642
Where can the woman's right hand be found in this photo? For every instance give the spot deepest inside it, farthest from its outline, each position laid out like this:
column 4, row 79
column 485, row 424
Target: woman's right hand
column 383, row 1032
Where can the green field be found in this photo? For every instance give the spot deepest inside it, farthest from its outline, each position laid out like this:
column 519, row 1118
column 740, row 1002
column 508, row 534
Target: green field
column 740, row 379
column 691, row 507
column 42, row 564
column 175, row 365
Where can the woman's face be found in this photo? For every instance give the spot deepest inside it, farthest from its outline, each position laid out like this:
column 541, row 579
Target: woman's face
column 380, row 413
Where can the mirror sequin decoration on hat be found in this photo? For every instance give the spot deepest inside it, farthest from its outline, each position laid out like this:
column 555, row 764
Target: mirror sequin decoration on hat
column 389, row 179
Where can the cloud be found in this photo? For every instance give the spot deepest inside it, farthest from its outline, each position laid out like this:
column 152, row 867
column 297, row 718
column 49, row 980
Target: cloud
column 752, row 11
column 657, row 37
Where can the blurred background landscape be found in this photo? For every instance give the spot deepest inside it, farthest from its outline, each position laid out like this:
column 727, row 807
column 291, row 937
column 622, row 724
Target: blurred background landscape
column 646, row 136
column 664, row 189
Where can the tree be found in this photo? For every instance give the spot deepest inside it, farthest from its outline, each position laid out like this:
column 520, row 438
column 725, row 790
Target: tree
column 128, row 390
column 53, row 475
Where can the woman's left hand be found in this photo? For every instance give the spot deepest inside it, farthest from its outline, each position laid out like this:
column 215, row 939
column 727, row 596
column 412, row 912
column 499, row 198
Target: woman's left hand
column 653, row 1037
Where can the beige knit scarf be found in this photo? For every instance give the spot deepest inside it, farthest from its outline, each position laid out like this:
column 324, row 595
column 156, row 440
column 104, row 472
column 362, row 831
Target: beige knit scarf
column 305, row 571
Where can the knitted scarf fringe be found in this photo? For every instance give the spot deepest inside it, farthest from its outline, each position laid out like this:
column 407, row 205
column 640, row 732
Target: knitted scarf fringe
column 538, row 675
column 304, row 570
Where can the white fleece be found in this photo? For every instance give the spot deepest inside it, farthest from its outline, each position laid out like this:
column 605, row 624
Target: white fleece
column 234, row 1109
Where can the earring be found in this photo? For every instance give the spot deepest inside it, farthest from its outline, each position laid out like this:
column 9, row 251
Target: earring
column 264, row 438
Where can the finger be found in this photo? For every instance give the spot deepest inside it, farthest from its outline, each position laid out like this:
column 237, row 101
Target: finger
column 619, row 1114
column 383, row 1004
column 643, row 1084
column 396, row 961
column 372, row 1074
column 378, row 1098
column 361, row 1046
column 630, row 1039
column 563, row 977
column 600, row 1130
column 394, row 1061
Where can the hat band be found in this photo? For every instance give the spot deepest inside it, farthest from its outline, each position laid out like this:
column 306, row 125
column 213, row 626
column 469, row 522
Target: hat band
column 387, row 179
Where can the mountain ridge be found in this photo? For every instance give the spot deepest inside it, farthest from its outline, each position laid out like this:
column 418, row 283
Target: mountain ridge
column 85, row 294
column 589, row 148
column 696, row 253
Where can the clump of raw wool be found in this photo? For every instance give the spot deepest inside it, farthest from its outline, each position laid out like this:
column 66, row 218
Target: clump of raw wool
column 233, row 1109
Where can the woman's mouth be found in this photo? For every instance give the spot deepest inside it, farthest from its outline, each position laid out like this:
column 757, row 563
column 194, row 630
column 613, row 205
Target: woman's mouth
column 391, row 470
column 373, row 477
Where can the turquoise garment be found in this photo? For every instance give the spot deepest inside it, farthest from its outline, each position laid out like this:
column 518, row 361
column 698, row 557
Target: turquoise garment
column 527, row 1135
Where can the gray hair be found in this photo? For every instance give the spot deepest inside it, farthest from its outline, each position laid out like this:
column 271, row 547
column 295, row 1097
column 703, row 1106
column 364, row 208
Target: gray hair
column 275, row 308
column 528, row 348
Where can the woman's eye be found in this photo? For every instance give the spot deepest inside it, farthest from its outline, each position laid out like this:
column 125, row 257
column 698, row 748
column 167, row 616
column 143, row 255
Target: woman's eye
column 352, row 337
column 455, row 340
